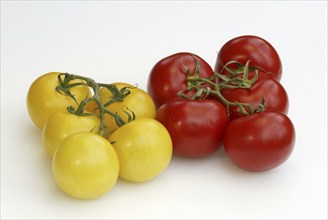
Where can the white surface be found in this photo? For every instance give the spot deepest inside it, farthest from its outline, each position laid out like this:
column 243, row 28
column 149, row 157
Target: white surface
column 121, row 41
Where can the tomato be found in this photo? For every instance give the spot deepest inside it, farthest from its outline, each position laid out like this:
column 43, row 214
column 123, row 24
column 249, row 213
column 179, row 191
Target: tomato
column 259, row 142
column 144, row 149
column 196, row 126
column 276, row 98
column 259, row 51
column 168, row 76
column 138, row 101
column 63, row 124
column 43, row 100
column 85, row 165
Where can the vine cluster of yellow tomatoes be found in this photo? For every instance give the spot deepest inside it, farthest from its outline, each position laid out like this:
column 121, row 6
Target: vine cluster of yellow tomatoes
column 95, row 133
column 80, row 122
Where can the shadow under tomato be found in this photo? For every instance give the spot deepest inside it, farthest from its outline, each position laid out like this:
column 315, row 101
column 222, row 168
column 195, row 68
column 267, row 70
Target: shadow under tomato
column 217, row 162
column 32, row 133
column 219, row 154
column 230, row 167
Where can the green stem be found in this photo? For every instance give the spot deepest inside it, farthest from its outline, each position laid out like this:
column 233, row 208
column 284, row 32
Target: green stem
column 64, row 87
column 233, row 82
column 217, row 92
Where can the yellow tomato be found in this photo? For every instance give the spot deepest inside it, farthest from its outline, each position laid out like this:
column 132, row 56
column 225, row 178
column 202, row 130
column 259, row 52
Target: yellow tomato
column 63, row 124
column 43, row 100
column 144, row 149
column 138, row 101
column 85, row 165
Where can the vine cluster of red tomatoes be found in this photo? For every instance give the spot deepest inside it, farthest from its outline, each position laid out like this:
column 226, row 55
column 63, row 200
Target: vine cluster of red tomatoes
column 96, row 132
column 241, row 103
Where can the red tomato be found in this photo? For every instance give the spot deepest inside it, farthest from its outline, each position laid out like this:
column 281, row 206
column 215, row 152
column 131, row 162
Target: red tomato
column 196, row 126
column 274, row 94
column 168, row 76
column 260, row 53
column 259, row 142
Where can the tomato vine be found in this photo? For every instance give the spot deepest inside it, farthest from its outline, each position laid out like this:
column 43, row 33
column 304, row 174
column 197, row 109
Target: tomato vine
column 217, row 82
column 64, row 87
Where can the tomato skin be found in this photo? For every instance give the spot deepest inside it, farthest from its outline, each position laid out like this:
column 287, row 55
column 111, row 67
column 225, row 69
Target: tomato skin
column 43, row 100
column 144, row 149
column 243, row 48
column 63, row 124
column 138, row 101
column 196, row 126
column 168, row 76
column 85, row 165
column 259, row 142
column 276, row 97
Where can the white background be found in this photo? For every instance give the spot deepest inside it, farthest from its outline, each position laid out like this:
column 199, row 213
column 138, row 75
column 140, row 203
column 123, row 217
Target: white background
column 121, row 41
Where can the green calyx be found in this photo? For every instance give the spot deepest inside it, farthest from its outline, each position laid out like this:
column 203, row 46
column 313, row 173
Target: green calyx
column 201, row 88
column 64, row 86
